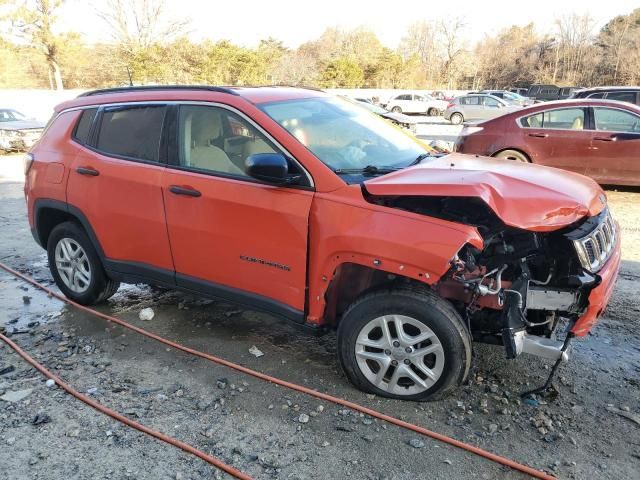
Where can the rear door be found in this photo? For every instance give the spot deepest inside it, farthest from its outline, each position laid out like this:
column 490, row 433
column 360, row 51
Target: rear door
column 615, row 147
column 558, row 138
column 472, row 107
column 116, row 182
column 231, row 235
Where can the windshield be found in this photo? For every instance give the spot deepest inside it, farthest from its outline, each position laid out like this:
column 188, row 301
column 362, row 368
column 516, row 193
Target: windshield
column 343, row 135
column 11, row 116
column 371, row 107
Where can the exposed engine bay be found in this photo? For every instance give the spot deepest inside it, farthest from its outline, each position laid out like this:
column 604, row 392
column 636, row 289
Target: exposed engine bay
column 518, row 288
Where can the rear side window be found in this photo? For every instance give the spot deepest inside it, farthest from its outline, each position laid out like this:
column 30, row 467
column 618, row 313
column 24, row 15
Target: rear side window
column 470, row 100
column 132, row 132
column 532, row 121
column 83, row 127
column 564, row 119
column 597, row 95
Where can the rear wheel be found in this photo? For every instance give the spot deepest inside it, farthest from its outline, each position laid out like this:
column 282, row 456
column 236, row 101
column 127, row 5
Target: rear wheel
column 432, row 112
column 76, row 266
column 513, row 155
column 404, row 343
column 457, row 118
column 396, row 109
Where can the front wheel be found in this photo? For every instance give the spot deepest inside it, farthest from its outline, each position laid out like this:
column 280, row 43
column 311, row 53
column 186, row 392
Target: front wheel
column 405, row 344
column 457, row 118
column 76, row 266
column 396, row 110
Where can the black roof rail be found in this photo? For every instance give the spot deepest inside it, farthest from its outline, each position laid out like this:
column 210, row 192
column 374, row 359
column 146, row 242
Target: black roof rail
column 144, row 88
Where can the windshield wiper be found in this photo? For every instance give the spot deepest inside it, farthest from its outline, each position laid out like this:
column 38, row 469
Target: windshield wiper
column 419, row 158
column 368, row 170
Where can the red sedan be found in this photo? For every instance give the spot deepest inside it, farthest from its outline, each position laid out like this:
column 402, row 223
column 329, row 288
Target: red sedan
column 597, row 138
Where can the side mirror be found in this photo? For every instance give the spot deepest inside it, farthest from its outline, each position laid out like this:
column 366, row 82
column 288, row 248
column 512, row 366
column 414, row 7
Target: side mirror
column 271, row 168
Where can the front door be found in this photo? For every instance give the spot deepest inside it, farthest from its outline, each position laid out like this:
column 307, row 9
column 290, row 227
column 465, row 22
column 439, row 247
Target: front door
column 615, row 147
column 231, row 235
column 117, row 184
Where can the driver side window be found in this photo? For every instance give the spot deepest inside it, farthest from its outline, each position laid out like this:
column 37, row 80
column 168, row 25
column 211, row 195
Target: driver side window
column 217, row 140
column 612, row 120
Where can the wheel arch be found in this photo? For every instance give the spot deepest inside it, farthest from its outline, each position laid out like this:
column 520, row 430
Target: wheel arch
column 519, row 150
column 49, row 213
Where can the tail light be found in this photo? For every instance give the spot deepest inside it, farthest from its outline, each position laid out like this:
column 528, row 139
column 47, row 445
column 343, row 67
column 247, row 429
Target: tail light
column 451, row 105
column 28, row 161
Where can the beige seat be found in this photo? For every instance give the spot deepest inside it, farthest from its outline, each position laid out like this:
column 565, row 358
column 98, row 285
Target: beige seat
column 202, row 127
column 577, row 124
column 534, row 122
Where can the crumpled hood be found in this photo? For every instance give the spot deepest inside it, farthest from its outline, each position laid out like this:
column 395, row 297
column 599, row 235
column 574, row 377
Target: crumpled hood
column 530, row 197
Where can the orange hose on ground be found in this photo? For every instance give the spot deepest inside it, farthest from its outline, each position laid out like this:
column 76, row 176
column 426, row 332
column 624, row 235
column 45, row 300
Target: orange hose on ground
column 121, row 418
column 299, row 388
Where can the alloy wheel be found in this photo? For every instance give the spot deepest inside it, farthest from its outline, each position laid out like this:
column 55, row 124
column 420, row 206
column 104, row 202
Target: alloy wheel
column 73, row 265
column 399, row 354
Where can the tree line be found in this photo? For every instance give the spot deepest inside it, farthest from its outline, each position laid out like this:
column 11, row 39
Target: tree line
column 147, row 46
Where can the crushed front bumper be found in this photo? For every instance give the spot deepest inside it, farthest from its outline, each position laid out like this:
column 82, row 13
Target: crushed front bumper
column 600, row 295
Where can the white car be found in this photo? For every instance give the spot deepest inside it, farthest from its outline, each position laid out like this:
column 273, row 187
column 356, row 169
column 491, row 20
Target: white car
column 416, row 103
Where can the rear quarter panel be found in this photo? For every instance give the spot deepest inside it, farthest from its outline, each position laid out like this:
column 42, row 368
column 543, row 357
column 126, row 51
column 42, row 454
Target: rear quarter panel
column 53, row 155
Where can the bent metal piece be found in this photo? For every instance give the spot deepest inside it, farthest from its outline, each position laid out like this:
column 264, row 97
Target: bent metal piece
column 292, row 386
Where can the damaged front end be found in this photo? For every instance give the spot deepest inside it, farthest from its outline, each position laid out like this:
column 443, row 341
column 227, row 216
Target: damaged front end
column 523, row 284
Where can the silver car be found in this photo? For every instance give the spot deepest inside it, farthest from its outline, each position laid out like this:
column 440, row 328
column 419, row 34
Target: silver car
column 18, row 132
column 476, row 107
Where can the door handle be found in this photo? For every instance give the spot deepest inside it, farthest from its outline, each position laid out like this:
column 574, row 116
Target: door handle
column 539, row 135
column 92, row 172
column 612, row 138
column 188, row 191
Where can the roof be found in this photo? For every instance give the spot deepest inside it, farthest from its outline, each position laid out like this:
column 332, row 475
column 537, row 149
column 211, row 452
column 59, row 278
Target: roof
column 255, row 95
column 619, row 87
column 580, row 102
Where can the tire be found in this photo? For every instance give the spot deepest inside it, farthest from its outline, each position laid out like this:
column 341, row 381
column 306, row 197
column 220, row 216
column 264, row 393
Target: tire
column 396, row 109
column 457, row 118
column 514, row 155
column 419, row 311
column 432, row 112
column 83, row 280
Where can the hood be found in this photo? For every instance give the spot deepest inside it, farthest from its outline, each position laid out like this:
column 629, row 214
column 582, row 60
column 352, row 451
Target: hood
column 21, row 125
column 399, row 117
column 526, row 196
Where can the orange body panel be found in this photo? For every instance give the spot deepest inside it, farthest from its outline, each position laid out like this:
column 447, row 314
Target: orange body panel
column 227, row 234
column 347, row 229
column 124, row 206
column 47, row 177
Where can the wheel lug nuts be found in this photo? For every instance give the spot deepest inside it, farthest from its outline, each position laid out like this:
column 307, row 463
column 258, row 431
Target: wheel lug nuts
column 394, row 363
column 396, row 343
column 407, row 361
column 408, row 349
column 387, row 352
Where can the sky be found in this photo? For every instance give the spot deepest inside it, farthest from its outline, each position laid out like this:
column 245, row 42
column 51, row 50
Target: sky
column 245, row 22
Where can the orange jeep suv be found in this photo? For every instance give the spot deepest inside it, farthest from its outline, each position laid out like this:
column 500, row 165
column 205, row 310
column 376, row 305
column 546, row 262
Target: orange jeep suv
column 303, row 205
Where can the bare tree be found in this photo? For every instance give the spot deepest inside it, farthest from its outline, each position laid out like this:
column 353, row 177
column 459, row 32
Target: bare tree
column 139, row 24
column 449, row 32
column 32, row 22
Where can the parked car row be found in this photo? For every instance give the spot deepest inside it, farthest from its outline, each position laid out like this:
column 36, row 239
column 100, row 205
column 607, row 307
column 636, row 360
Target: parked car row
column 597, row 138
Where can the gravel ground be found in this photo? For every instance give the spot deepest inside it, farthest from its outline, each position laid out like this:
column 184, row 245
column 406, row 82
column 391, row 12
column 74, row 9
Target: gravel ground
column 271, row 432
